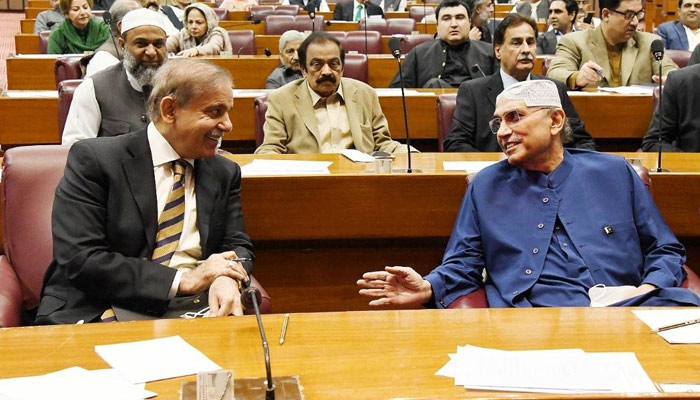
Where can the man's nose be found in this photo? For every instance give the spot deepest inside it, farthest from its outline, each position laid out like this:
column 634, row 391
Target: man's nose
column 226, row 125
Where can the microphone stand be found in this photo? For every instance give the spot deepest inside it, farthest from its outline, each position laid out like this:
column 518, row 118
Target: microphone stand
column 253, row 294
column 397, row 55
column 366, row 16
column 661, row 121
column 425, row 21
column 107, row 17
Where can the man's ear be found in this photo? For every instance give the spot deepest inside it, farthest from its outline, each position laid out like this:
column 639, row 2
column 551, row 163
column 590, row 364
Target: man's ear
column 167, row 109
column 122, row 43
column 303, row 72
column 558, row 119
column 605, row 14
column 497, row 51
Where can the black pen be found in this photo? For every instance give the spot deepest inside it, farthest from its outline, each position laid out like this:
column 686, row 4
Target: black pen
column 679, row 325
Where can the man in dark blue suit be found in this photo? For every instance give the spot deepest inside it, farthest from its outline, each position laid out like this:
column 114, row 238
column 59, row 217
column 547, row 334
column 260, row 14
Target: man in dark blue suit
column 685, row 33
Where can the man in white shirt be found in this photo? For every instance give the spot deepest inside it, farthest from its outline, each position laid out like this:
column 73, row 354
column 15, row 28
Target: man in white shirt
column 683, row 34
column 562, row 15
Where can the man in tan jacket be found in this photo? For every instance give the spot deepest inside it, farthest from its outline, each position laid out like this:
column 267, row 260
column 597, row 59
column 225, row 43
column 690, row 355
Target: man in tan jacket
column 325, row 113
column 613, row 54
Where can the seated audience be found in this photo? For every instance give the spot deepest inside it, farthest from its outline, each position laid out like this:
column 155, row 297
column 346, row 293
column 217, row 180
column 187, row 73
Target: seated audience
column 172, row 14
column 613, row 54
column 238, row 5
column 325, row 113
column 451, row 58
column 390, row 5
column 585, row 8
column 319, row 5
column 577, row 219
column 355, row 10
column 562, row 14
column 134, row 215
column 538, row 10
column 683, row 34
column 680, row 130
column 113, row 101
column 50, row 19
column 290, row 70
column 201, row 36
column 79, row 32
column 481, row 12
column 515, row 39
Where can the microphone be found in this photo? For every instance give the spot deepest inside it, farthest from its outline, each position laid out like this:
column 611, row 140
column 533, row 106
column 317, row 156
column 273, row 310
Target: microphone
column 395, row 46
column 657, row 50
column 107, row 18
column 267, row 52
column 365, row 8
column 477, row 68
column 311, row 10
column 238, row 53
column 251, row 296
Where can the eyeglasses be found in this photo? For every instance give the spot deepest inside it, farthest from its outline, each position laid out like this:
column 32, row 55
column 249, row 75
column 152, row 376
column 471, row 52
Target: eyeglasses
column 628, row 15
column 512, row 119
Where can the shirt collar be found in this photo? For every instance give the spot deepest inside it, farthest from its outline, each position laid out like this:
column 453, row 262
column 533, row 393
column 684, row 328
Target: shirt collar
column 132, row 80
column 161, row 151
column 508, row 80
column 315, row 97
column 555, row 178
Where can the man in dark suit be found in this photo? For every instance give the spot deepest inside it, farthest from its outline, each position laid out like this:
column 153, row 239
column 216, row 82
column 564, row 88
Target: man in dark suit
column 514, row 39
column 450, row 59
column 681, row 121
column 675, row 33
column 535, row 9
column 562, row 15
column 355, row 10
column 143, row 217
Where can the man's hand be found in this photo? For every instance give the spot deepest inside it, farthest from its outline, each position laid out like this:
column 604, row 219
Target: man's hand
column 641, row 289
column 193, row 52
column 395, row 285
column 655, row 79
column 475, row 33
column 202, row 277
column 590, row 73
column 224, row 298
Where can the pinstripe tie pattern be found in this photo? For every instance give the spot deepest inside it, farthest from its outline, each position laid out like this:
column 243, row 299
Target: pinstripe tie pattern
column 171, row 219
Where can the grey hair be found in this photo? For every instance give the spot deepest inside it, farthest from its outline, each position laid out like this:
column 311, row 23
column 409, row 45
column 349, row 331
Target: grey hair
column 566, row 134
column 118, row 10
column 290, row 36
column 183, row 80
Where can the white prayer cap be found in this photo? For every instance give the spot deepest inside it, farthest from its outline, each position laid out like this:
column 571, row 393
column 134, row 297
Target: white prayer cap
column 142, row 17
column 535, row 93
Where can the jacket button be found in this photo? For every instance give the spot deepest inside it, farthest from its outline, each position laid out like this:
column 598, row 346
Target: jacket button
column 143, row 118
column 528, row 271
column 540, row 225
column 535, row 250
column 545, row 200
column 515, row 292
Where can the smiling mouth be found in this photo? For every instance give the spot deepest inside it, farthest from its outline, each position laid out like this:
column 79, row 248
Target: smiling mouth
column 508, row 147
column 215, row 135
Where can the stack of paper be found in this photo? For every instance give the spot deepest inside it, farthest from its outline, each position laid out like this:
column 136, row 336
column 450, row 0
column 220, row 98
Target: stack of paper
column 547, row 371
column 655, row 319
column 285, row 167
column 471, row 167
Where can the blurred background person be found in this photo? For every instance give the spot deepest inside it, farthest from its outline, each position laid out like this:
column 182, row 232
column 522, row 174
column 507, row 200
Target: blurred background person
column 201, row 34
column 79, row 32
column 50, row 19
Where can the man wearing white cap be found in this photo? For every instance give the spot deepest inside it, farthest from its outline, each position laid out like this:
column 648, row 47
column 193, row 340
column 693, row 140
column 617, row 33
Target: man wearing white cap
column 547, row 224
column 113, row 102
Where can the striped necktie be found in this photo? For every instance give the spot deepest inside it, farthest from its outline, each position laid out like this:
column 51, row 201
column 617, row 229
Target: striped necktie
column 171, row 219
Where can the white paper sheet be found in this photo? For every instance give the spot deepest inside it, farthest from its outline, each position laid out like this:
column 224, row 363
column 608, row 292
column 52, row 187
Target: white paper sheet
column 260, row 167
column 391, row 92
column 468, row 166
column 357, row 156
column 32, row 94
column 634, row 89
column 680, row 387
column 656, row 319
column 156, row 359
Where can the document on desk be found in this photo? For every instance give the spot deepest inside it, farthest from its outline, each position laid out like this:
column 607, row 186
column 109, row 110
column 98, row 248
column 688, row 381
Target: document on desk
column 546, row 371
column 633, row 89
column 471, row 167
column 260, row 167
column 156, row 359
column 73, row 383
column 31, row 94
column 656, row 319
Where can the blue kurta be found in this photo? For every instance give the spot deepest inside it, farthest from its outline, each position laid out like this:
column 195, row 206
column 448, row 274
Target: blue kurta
column 610, row 233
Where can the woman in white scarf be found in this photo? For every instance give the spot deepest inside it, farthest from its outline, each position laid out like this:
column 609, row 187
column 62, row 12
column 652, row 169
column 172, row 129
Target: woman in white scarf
column 201, row 34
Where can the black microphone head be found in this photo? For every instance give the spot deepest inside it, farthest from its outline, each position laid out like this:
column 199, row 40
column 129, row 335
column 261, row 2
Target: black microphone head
column 256, row 21
column 395, row 46
column 657, row 49
column 267, row 52
column 246, row 300
column 328, row 23
column 107, row 17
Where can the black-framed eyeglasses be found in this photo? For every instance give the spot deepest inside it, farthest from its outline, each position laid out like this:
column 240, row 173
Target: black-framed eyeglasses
column 512, row 119
column 628, row 15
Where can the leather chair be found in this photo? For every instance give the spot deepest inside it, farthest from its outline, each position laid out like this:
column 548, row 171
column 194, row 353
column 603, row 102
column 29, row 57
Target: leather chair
column 411, row 41
column 355, row 41
column 418, row 12
column 221, row 13
column 260, row 106
column 261, row 12
column 303, row 23
column 401, row 26
column 65, row 97
column 67, row 67
column 291, row 9
column 30, row 175
column 374, row 24
column 278, row 24
column 446, row 104
column 546, row 62
column 242, row 42
column 341, row 36
column 680, row 57
column 356, row 67
column 44, row 41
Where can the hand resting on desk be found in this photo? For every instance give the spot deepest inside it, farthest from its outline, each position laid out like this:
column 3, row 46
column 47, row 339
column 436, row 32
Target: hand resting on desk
column 202, row 277
column 395, row 285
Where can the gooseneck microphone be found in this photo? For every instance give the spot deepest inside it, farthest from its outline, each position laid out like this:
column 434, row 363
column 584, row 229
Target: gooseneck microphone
column 238, row 53
column 395, row 46
column 311, row 10
column 250, row 298
column 657, row 50
column 107, row 18
column 364, row 7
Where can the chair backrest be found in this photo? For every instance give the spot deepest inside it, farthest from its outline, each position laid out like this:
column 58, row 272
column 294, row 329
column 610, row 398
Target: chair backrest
column 44, row 41
column 356, row 67
column 67, row 67
column 680, row 57
column 341, row 36
column 446, row 104
column 411, row 41
column 278, row 24
column 65, row 97
column 261, row 12
column 418, row 13
column 29, row 178
column 303, row 23
column 221, row 13
column 374, row 24
column 545, row 64
column 290, row 9
column 401, row 26
column 355, row 41
column 260, row 106
column 242, row 42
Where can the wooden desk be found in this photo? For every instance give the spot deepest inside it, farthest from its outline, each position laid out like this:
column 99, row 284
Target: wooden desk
column 26, row 43
column 27, row 25
column 31, row 12
column 365, row 355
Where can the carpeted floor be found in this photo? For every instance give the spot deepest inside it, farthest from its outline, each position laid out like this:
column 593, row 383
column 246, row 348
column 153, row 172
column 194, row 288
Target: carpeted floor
column 9, row 27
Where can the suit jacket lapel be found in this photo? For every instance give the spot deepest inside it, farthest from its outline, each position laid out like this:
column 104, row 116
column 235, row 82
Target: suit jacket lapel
column 143, row 186
column 600, row 51
column 352, row 108
column 206, row 190
column 681, row 34
column 494, row 88
column 306, row 109
column 629, row 56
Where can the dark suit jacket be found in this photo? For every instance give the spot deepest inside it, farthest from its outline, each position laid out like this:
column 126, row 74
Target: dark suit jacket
column 476, row 102
column 525, row 8
column 344, row 11
column 673, row 34
column 547, row 43
column 681, row 120
column 695, row 56
column 427, row 61
column 104, row 226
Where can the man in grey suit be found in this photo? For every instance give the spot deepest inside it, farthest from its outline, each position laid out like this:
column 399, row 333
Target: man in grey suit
column 562, row 15
column 515, row 39
column 535, row 9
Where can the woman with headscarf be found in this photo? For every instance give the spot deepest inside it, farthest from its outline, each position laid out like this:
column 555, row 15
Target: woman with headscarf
column 201, row 34
column 79, row 32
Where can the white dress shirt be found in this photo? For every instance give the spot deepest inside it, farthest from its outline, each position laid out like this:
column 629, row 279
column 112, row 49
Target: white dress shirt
column 693, row 37
column 100, row 61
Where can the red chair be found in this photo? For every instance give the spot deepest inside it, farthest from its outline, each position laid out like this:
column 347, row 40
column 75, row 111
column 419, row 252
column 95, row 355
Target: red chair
column 341, row 36
column 30, row 175
column 242, row 42
column 303, row 23
column 356, row 67
column 44, row 41
column 261, row 12
column 374, row 24
column 401, row 26
column 355, row 41
column 278, row 24
column 411, row 41
column 287, row 10
column 446, row 104
column 221, row 13
column 417, row 13
column 260, row 107
column 680, row 57
column 65, row 98
column 67, row 67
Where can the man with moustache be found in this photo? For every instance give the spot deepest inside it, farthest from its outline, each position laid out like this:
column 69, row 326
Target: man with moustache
column 325, row 113
column 290, row 70
column 141, row 218
column 113, row 102
column 562, row 16
column 515, row 39
column 613, row 54
column 683, row 34
column 522, row 221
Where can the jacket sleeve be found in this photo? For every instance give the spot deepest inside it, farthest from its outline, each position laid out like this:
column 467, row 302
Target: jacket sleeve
column 567, row 60
column 462, row 134
column 409, row 68
column 671, row 115
column 275, row 129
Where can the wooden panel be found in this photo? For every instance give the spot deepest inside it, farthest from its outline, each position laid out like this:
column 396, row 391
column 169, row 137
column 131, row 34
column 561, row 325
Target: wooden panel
column 621, row 117
column 28, row 121
column 30, row 73
column 258, row 29
column 678, row 198
column 46, row 4
column 32, row 12
column 27, row 25
column 26, row 43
